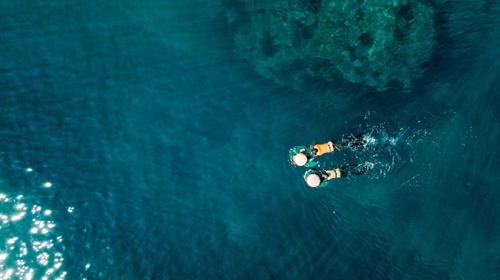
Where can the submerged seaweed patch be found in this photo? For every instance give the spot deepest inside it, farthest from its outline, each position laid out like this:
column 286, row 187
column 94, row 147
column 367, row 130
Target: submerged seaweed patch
column 363, row 39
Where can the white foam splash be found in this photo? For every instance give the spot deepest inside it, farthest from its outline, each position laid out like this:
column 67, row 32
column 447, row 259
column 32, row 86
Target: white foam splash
column 386, row 148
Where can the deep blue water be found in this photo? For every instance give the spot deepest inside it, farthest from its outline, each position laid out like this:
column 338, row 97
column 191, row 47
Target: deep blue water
column 167, row 154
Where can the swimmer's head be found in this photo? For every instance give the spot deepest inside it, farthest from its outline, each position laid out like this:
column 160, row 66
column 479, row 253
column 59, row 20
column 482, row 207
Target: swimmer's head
column 299, row 159
column 313, row 180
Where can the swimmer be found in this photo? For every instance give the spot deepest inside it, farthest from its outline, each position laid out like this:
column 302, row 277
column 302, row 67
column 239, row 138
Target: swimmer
column 302, row 156
column 305, row 156
column 317, row 177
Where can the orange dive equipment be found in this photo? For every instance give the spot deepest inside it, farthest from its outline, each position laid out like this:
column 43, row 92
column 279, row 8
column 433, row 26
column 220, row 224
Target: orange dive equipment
column 324, row 148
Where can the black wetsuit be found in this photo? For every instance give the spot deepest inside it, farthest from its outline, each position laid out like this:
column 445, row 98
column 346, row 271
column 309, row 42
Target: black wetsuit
column 350, row 142
column 346, row 170
column 353, row 170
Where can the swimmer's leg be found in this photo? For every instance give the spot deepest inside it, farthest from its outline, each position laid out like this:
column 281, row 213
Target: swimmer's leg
column 353, row 169
column 358, row 140
column 348, row 142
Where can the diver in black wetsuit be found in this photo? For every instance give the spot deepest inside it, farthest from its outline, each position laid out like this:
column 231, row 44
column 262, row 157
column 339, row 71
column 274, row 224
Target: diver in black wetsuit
column 318, row 177
column 305, row 156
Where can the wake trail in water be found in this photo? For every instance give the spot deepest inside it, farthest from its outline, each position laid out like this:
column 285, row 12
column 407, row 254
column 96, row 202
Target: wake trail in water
column 387, row 147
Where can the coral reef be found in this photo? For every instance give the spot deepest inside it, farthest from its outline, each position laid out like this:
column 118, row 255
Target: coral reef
column 373, row 42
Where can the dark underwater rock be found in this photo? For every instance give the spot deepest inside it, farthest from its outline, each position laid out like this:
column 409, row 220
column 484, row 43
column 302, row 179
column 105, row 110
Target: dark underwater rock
column 371, row 42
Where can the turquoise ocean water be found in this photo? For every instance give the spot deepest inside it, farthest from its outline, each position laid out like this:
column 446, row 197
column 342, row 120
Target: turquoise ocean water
column 135, row 144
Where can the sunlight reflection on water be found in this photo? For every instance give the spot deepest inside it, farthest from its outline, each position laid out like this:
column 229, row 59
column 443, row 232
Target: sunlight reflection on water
column 32, row 249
